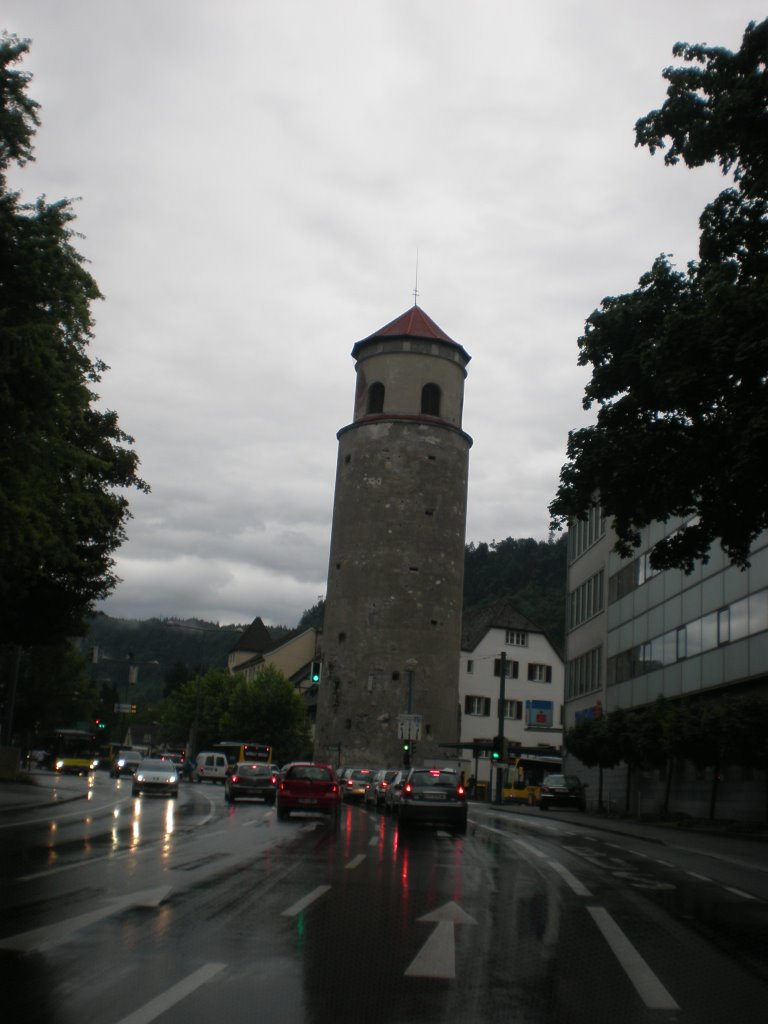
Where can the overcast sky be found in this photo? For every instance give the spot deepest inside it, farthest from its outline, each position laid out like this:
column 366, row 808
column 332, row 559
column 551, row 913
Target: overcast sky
column 255, row 181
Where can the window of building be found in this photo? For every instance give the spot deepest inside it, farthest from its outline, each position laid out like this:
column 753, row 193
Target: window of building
column 513, row 709
column 470, row 666
column 583, row 533
column 477, row 706
column 706, row 633
column 586, row 600
column 510, row 672
column 517, row 637
column 583, row 674
column 539, row 673
column 430, row 400
column 376, row 397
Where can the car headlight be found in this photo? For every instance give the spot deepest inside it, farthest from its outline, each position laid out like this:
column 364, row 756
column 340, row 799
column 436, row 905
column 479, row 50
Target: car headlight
column 139, row 777
column 173, row 779
column 59, row 764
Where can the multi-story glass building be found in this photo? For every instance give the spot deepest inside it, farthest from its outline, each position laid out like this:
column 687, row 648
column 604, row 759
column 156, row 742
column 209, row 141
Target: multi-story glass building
column 634, row 634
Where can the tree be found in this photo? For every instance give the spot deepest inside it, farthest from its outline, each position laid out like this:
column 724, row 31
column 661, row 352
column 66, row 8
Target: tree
column 680, row 365
column 597, row 742
column 269, row 709
column 65, row 464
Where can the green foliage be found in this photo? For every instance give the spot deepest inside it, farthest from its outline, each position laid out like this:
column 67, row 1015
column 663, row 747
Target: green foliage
column 313, row 616
column 65, row 465
column 530, row 574
column 270, row 710
column 217, row 706
column 680, row 365
column 53, row 690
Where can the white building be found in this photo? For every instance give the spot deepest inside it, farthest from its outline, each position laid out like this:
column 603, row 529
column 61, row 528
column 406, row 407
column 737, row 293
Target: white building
column 533, row 688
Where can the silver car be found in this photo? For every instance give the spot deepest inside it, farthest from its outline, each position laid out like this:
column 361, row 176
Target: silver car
column 156, row 776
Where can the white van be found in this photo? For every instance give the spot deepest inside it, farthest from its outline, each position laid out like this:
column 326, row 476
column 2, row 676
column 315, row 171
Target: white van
column 211, row 767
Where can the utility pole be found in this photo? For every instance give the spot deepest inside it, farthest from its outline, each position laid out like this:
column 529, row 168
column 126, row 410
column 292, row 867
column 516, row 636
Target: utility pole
column 500, row 767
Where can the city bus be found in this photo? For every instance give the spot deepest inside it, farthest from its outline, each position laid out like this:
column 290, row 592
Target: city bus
column 238, row 750
column 71, row 751
column 523, row 775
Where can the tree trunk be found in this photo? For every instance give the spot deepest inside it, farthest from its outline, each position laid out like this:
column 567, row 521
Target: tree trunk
column 668, row 785
column 713, row 794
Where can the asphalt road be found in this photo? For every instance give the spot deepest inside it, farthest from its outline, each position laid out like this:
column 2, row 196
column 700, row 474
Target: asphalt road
column 118, row 910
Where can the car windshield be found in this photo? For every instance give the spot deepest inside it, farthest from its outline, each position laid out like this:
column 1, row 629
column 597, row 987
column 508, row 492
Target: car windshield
column 361, row 776
column 150, row 765
column 555, row 780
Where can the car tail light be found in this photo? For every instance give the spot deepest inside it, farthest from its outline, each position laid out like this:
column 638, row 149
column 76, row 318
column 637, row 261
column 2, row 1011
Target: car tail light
column 460, row 791
column 407, row 789
column 282, row 786
column 273, row 780
column 234, row 778
column 334, row 788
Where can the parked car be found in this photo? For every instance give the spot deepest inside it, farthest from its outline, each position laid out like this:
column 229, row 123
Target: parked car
column 434, row 796
column 562, row 791
column 154, row 775
column 356, row 784
column 126, row 763
column 249, row 780
column 374, row 796
column 307, row 786
column 393, row 791
column 211, row 767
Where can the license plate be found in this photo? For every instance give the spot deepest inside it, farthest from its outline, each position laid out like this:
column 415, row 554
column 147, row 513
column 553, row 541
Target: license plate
column 436, row 796
column 307, row 801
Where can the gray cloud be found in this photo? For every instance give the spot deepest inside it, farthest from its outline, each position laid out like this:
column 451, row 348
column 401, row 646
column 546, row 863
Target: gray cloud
column 254, row 191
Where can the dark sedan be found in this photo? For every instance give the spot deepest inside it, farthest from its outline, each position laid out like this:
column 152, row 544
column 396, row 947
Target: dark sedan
column 562, row 791
column 251, row 780
column 433, row 796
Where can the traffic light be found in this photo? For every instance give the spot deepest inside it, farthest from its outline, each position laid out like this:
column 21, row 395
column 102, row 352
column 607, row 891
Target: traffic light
column 498, row 743
column 314, row 672
column 100, row 723
column 406, row 753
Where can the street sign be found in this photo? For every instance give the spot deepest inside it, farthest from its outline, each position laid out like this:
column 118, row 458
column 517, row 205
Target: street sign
column 409, row 727
column 125, row 708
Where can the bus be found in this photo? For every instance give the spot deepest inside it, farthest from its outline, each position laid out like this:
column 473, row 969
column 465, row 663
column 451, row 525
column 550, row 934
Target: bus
column 71, row 751
column 239, row 750
column 523, row 775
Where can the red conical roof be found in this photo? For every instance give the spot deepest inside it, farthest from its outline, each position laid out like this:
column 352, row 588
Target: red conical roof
column 413, row 323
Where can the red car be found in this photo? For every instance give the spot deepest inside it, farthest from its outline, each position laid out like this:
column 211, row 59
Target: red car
column 306, row 786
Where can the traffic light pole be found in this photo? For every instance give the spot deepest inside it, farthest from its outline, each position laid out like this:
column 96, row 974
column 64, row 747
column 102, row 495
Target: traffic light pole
column 500, row 733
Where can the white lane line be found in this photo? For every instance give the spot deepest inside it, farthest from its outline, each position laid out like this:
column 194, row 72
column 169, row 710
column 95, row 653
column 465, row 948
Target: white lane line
column 571, row 880
column 531, row 849
column 301, row 904
column 648, row 986
column 739, row 892
column 152, row 1010
column 373, row 841
column 664, row 863
column 701, row 878
column 355, row 862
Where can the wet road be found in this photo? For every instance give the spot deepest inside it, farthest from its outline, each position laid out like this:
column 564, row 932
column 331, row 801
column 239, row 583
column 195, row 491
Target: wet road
column 118, row 910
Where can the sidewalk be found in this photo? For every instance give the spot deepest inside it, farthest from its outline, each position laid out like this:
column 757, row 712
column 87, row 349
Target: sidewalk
column 36, row 788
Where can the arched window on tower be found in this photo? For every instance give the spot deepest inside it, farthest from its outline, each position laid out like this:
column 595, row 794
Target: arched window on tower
column 430, row 400
column 376, row 397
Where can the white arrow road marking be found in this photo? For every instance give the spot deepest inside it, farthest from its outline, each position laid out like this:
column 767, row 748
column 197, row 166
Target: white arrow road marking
column 437, row 957
column 355, row 862
column 64, row 931
column 152, row 1010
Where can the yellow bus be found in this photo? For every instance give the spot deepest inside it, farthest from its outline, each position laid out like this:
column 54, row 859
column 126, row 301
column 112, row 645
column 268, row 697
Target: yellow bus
column 523, row 775
column 238, row 750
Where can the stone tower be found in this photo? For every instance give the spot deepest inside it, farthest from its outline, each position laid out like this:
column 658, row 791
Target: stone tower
column 392, row 629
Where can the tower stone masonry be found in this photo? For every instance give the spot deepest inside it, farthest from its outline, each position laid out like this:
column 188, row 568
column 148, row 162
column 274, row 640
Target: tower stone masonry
column 393, row 609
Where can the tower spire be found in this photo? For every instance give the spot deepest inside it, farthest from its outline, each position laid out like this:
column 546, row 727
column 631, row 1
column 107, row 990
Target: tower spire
column 416, row 284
